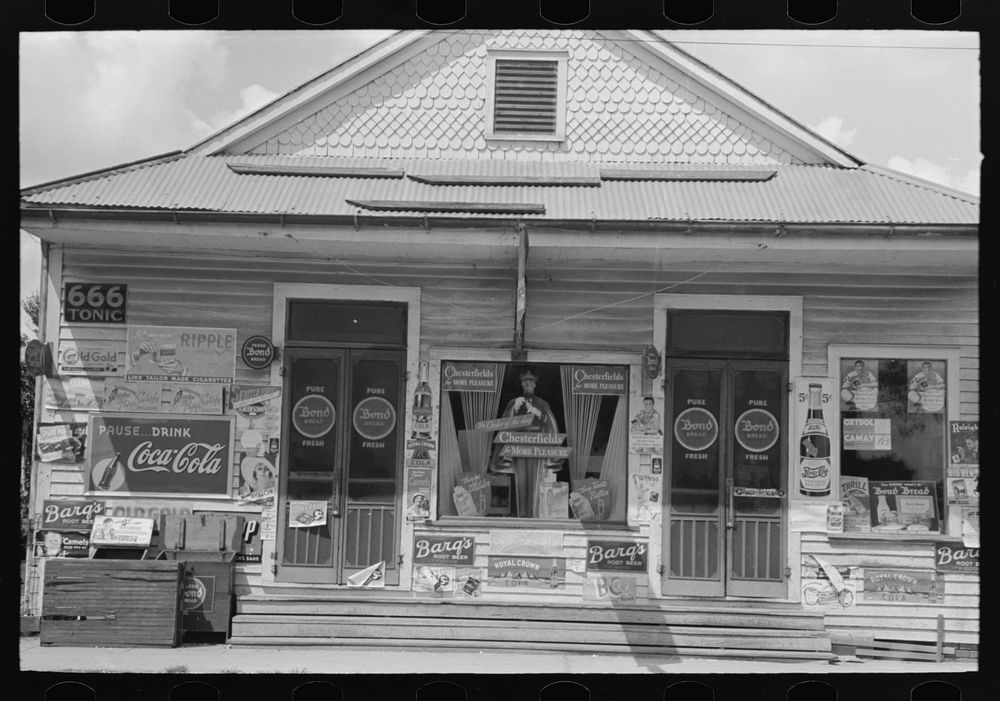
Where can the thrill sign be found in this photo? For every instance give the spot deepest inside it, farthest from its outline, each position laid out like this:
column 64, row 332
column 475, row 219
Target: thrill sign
column 162, row 455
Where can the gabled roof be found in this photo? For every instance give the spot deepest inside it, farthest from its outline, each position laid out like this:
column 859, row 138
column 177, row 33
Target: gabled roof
column 585, row 192
column 658, row 136
column 420, row 87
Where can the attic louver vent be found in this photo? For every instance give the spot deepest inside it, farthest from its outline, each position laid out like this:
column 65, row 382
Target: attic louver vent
column 526, row 97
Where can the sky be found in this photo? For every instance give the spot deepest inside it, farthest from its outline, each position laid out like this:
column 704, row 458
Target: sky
column 906, row 100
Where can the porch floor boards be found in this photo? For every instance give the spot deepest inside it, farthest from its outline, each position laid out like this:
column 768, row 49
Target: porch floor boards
column 732, row 629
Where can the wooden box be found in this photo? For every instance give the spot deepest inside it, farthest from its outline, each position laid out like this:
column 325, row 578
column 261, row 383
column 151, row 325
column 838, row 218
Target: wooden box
column 117, row 603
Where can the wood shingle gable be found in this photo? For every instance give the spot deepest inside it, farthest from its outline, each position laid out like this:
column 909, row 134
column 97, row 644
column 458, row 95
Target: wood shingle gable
column 623, row 102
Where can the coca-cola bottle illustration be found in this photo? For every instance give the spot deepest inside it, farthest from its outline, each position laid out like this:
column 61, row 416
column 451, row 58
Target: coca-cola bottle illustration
column 110, row 470
column 814, row 449
column 422, row 405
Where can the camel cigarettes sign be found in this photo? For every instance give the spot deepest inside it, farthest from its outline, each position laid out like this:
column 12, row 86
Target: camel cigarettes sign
column 153, row 456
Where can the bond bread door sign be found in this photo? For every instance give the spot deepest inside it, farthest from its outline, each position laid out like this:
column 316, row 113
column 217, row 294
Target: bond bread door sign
column 257, row 352
column 89, row 303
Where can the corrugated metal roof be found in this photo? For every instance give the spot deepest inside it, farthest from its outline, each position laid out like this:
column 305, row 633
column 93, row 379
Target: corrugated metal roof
column 797, row 193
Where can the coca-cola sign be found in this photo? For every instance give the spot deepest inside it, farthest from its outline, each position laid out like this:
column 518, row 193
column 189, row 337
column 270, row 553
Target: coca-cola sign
column 150, row 456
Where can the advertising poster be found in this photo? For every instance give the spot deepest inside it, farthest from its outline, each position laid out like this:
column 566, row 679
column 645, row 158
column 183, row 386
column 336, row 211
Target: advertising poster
column 900, row 585
column 858, row 384
column 644, row 497
column 418, row 490
column 198, row 594
column 616, row 556
column 533, row 572
column 194, row 398
column 609, row 587
column 122, row 530
column 444, row 550
column 926, row 392
column 53, row 543
column 104, row 358
column 250, row 541
column 951, row 557
column 524, row 542
column 471, row 377
column 962, row 491
column 256, row 438
column 258, row 477
column 855, row 499
column 61, row 442
column 822, row 594
column 647, row 421
column 553, row 500
column 963, row 448
column 126, row 396
column 94, row 303
column 371, row 577
column 472, row 495
column 73, row 393
column 160, row 455
column 268, row 520
column 181, row 353
column 306, row 514
column 591, row 500
column 69, row 515
column 835, row 518
column 468, row 582
column 816, row 459
column 433, row 578
column 907, row 507
column 599, row 379
column 867, row 434
column 969, row 527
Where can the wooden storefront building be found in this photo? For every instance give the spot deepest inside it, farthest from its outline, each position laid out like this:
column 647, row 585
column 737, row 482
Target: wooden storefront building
column 685, row 275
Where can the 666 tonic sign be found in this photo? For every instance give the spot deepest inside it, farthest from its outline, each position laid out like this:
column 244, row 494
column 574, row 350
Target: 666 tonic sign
column 152, row 456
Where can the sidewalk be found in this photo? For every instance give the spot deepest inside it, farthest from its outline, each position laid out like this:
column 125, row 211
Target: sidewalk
column 220, row 658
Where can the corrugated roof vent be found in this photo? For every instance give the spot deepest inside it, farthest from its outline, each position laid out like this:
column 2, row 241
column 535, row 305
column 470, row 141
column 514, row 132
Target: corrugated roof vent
column 526, row 97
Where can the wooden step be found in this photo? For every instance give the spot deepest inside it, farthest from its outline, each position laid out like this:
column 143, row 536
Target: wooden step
column 692, row 616
column 475, row 631
column 538, row 647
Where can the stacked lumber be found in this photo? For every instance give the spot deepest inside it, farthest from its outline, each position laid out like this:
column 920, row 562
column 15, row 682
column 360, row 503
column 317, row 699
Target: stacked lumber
column 120, row 603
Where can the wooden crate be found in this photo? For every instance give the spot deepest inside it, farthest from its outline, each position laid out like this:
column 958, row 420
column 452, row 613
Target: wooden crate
column 119, row 603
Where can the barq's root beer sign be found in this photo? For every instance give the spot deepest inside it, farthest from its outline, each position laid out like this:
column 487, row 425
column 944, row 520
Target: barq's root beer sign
column 160, row 455
column 444, row 550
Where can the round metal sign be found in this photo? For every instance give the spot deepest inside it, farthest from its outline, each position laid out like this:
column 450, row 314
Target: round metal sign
column 374, row 418
column 757, row 430
column 313, row 416
column 696, row 429
column 257, row 352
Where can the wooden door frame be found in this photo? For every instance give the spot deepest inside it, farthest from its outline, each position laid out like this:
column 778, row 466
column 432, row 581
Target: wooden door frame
column 342, row 356
column 793, row 304
column 282, row 293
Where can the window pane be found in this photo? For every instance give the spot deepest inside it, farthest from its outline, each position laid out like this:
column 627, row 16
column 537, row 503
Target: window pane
column 893, row 421
column 346, row 322
column 714, row 333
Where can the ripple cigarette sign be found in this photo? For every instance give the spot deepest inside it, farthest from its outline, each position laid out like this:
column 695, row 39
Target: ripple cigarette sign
column 156, row 456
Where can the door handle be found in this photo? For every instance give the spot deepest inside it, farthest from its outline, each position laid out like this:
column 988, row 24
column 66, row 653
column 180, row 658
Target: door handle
column 730, row 502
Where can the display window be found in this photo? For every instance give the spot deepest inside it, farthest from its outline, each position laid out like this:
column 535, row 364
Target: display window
column 895, row 410
column 538, row 440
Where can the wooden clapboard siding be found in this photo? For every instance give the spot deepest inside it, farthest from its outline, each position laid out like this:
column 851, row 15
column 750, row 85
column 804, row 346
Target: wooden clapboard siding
column 899, row 620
